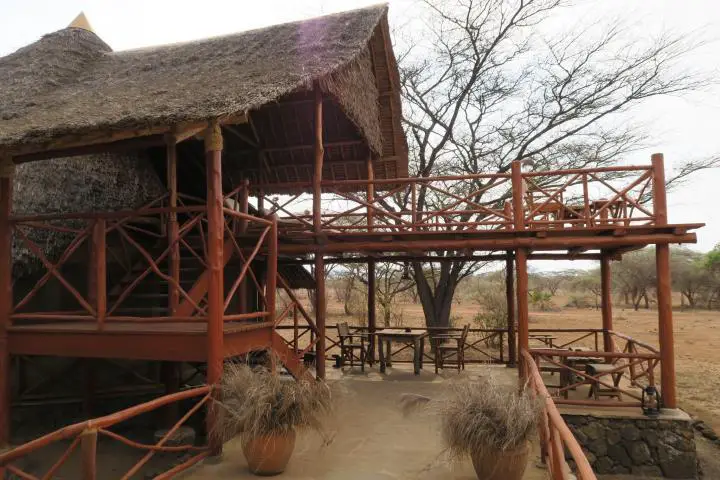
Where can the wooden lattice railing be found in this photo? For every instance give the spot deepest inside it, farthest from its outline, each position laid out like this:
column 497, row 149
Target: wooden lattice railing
column 572, row 198
column 566, row 364
column 642, row 373
column 555, row 436
column 84, row 437
column 134, row 247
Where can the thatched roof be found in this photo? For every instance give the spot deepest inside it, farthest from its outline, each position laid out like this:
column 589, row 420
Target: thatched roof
column 70, row 83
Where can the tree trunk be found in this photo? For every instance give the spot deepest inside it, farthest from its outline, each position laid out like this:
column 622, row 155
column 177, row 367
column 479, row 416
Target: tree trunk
column 437, row 302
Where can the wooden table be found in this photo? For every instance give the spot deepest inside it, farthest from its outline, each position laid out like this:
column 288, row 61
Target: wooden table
column 416, row 338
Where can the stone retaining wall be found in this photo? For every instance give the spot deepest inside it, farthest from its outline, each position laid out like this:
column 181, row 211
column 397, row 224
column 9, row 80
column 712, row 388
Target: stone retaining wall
column 640, row 446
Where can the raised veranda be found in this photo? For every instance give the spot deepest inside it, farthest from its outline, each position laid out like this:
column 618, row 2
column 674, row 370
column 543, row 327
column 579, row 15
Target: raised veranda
column 250, row 156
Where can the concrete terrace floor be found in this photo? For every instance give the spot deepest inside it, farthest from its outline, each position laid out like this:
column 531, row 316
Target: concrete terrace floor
column 372, row 439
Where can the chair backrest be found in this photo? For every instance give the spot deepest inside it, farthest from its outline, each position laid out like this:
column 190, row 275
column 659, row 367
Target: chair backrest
column 343, row 330
column 465, row 332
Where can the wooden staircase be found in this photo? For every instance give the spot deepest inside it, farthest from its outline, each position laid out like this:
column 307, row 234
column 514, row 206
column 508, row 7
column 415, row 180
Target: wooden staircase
column 149, row 297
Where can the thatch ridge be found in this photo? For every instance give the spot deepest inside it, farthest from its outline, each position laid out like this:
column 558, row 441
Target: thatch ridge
column 188, row 82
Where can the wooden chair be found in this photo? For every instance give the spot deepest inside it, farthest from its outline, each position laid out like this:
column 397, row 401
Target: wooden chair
column 604, row 370
column 349, row 344
column 449, row 344
column 547, row 210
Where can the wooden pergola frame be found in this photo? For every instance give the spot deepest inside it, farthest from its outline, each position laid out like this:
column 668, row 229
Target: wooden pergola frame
column 515, row 236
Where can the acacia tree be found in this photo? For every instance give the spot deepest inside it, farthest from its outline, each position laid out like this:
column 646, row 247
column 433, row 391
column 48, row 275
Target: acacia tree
column 392, row 279
column 712, row 265
column 690, row 276
column 635, row 276
column 482, row 87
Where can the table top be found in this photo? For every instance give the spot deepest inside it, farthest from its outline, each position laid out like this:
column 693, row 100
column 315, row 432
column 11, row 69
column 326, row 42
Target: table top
column 400, row 332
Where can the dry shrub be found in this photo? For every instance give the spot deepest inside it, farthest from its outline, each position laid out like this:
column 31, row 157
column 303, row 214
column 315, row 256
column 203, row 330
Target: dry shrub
column 482, row 417
column 257, row 402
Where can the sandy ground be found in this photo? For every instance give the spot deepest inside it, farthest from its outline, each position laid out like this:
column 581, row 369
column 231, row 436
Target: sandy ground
column 372, row 438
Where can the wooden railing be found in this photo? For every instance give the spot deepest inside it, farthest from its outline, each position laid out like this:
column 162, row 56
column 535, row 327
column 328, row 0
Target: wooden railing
column 571, row 198
column 555, row 436
column 588, row 197
column 571, row 367
column 84, row 436
column 131, row 247
column 642, row 373
column 567, row 337
column 305, row 333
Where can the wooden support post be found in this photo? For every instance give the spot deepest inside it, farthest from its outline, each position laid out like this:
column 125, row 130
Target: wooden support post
column 518, row 189
column 320, row 314
column 664, row 288
column 271, row 269
column 7, row 169
column 522, row 305
column 606, row 302
column 172, row 224
column 319, row 154
column 658, row 189
column 665, row 326
column 88, row 452
column 215, row 295
column 244, row 205
column 510, row 298
column 370, row 193
column 98, row 278
column 372, row 322
column 296, row 333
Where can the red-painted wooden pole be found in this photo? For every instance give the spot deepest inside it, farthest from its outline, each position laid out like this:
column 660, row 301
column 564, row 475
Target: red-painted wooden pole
column 320, row 306
column 243, row 224
column 88, row 452
column 271, row 272
column 215, row 300
column 664, row 288
column 7, row 169
column 172, row 224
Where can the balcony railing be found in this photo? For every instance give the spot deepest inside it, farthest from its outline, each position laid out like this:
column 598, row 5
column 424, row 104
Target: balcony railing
column 572, row 198
column 100, row 261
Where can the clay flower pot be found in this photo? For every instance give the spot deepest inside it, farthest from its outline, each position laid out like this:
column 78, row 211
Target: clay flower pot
column 269, row 454
column 502, row 465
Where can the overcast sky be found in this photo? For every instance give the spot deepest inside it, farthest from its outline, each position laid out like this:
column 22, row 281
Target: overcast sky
column 682, row 128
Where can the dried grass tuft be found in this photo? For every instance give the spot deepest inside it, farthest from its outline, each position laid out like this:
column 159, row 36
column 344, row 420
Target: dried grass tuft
column 256, row 402
column 482, row 417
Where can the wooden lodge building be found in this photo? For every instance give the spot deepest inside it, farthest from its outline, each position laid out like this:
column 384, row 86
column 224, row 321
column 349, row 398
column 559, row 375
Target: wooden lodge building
column 153, row 201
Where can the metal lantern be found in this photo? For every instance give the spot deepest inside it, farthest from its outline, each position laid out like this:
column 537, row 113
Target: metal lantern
column 650, row 401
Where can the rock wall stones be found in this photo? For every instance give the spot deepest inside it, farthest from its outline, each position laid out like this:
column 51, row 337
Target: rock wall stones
column 643, row 447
